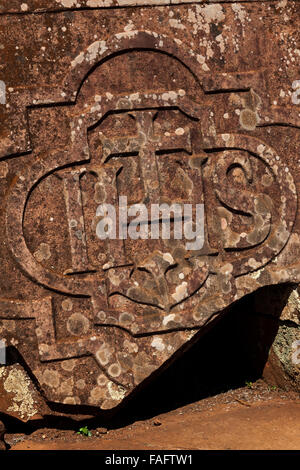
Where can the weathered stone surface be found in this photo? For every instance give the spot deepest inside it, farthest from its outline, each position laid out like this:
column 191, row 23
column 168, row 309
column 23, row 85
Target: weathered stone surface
column 187, row 104
column 18, row 396
column 283, row 364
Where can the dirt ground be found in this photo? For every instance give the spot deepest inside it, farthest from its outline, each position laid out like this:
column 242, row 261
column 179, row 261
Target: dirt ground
column 255, row 417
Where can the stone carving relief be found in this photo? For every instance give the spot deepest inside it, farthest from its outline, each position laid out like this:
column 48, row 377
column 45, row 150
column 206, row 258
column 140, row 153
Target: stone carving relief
column 135, row 117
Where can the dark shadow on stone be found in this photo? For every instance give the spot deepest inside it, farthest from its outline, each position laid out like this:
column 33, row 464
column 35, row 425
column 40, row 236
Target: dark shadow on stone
column 234, row 350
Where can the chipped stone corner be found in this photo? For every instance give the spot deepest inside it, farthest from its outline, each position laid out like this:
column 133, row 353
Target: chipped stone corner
column 2, row 352
column 18, row 396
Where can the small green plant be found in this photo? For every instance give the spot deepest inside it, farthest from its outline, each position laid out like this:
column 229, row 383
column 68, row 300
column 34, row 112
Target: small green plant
column 249, row 384
column 84, row 431
column 272, row 388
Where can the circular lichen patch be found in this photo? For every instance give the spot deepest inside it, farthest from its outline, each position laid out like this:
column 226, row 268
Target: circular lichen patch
column 78, row 324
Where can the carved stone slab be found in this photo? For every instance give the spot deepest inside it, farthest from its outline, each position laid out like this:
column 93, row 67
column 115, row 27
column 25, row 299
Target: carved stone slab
column 195, row 103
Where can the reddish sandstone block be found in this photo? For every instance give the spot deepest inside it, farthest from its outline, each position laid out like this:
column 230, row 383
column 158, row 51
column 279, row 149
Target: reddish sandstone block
column 179, row 104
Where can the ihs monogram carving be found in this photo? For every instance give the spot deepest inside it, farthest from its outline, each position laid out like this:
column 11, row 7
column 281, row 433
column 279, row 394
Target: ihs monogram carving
column 106, row 305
